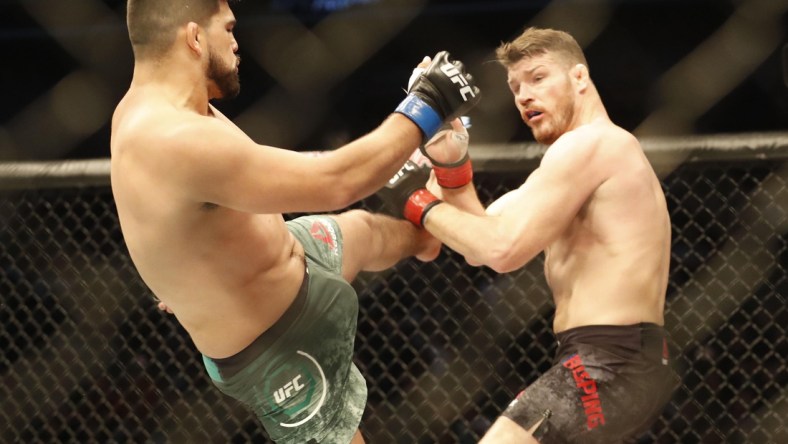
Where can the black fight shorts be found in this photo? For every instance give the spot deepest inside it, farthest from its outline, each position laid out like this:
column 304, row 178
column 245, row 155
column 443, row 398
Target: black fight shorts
column 608, row 383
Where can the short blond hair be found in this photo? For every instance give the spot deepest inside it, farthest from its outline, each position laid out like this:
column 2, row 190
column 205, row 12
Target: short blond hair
column 539, row 41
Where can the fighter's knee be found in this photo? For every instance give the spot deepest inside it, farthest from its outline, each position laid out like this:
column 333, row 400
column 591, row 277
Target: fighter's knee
column 356, row 213
column 354, row 220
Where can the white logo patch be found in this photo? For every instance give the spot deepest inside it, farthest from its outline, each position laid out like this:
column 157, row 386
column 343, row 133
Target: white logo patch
column 294, row 382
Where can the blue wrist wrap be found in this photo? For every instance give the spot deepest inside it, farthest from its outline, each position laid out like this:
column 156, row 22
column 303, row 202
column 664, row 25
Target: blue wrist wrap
column 421, row 114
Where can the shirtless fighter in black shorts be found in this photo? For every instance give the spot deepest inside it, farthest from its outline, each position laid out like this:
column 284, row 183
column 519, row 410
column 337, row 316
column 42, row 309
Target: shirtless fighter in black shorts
column 597, row 210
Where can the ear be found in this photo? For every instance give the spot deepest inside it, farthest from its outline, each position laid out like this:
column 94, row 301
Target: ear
column 194, row 37
column 580, row 76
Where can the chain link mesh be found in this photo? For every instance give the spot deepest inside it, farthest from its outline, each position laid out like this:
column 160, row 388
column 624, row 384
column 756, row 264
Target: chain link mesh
column 87, row 357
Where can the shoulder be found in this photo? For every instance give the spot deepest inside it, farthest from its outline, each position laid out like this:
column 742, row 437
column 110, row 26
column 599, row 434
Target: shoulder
column 590, row 155
column 165, row 130
column 594, row 142
column 160, row 142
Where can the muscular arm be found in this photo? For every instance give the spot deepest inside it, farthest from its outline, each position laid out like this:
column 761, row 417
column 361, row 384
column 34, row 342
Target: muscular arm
column 521, row 224
column 213, row 161
column 464, row 198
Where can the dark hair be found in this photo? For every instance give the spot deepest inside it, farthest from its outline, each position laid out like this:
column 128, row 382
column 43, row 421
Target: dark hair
column 153, row 24
column 537, row 41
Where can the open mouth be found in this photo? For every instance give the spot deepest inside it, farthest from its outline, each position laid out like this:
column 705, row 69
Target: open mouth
column 530, row 115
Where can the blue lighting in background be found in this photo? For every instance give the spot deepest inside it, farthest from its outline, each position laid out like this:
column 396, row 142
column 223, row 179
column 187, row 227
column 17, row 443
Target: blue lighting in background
column 337, row 5
column 318, row 6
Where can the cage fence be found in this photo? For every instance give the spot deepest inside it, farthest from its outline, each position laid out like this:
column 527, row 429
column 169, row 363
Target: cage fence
column 87, row 356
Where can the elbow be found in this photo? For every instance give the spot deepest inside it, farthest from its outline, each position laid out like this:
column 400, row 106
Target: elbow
column 501, row 268
column 506, row 256
column 340, row 198
column 512, row 247
column 341, row 194
column 502, row 263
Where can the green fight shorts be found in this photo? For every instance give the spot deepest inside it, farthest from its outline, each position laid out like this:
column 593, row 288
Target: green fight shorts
column 298, row 376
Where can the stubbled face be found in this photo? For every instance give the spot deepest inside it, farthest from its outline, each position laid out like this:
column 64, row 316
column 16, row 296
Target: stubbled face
column 223, row 60
column 544, row 95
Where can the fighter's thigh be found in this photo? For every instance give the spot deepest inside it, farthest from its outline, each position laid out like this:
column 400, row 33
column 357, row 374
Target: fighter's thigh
column 359, row 240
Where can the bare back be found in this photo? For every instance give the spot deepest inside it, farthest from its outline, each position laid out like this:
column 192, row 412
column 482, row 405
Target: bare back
column 226, row 274
column 610, row 264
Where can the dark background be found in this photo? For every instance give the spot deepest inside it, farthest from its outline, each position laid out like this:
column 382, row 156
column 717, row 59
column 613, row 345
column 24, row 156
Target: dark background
column 88, row 358
column 663, row 67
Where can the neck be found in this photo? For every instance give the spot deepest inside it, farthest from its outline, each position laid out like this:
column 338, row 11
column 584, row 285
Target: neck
column 179, row 82
column 589, row 108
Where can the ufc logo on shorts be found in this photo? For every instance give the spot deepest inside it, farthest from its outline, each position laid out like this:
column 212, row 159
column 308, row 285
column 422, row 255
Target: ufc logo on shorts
column 452, row 72
column 286, row 392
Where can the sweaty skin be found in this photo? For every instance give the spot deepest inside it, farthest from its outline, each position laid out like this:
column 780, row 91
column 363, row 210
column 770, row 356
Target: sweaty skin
column 200, row 204
column 594, row 206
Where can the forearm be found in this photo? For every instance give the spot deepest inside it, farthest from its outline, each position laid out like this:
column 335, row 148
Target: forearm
column 366, row 164
column 464, row 198
column 470, row 235
column 487, row 240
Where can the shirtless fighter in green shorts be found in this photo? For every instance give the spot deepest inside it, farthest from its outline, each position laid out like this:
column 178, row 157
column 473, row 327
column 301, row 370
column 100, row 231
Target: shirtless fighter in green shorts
column 200, row 205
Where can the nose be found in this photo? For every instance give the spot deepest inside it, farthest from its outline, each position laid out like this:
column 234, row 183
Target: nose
column 523, row 96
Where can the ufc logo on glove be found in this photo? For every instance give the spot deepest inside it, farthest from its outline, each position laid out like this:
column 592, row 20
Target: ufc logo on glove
column 453, row 73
